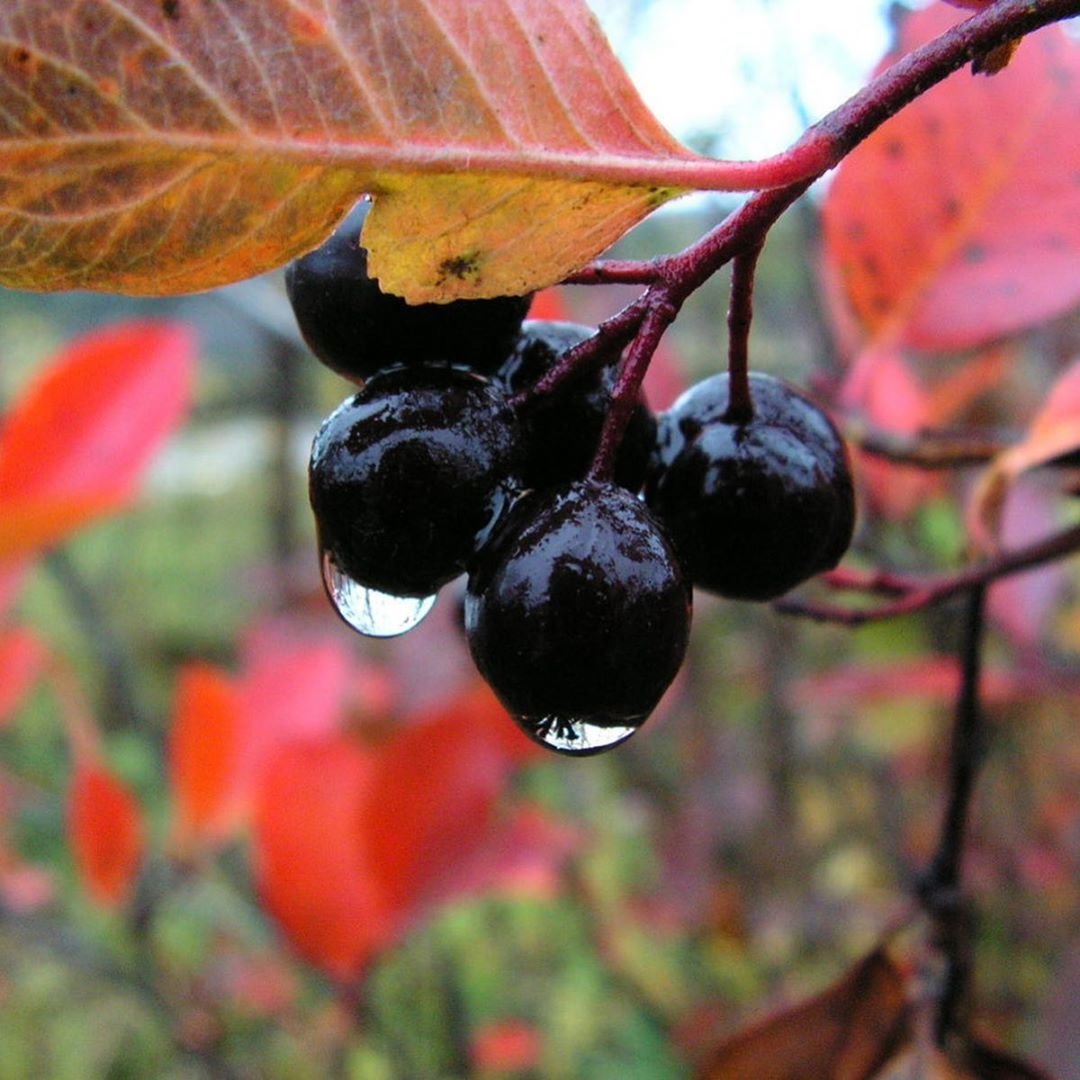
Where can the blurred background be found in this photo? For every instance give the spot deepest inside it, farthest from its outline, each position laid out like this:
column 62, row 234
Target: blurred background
column 744, row 849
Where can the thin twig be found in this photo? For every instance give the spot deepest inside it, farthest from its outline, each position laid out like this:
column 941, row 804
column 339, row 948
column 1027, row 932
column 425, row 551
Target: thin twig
column 916, row 593
column 940, row 891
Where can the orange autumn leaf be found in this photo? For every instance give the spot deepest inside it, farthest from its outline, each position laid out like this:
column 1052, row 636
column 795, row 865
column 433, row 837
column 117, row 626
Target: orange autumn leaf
column 956, row 222
column 75, row 443
column 159, row 148
column 105, row 830
column 203, row 751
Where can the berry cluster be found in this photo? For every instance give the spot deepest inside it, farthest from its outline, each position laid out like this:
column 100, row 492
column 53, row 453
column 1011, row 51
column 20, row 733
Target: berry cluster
column 578, row 601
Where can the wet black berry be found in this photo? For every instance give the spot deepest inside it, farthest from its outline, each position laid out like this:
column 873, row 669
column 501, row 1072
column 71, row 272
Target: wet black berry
column 406, row 474
column 755, row 507
column 563, row 431
column 577, row 614
column 352, row 326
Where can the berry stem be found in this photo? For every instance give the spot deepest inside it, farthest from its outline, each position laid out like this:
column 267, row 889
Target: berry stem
column 914, row 592
column 627, row 390
column 740, row 315
column 611, row 337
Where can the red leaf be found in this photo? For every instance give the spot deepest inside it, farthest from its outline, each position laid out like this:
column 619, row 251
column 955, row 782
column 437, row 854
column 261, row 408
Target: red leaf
column 550, row 304
column 433, row 798
column 309, row 864
column 881, row 388
column 106, row 833
column 74, row 446
column 352, row 847
column 287, row 692
column 203, row 752
column 935, row 679
column 506, row 1046
column 22, row 658
column 957, row 221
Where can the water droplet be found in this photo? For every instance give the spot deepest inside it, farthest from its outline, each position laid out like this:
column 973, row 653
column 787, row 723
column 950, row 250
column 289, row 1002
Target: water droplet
column 368, row 611
column 571, row 735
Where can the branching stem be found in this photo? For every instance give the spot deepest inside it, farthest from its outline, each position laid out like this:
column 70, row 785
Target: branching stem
column 915, row 593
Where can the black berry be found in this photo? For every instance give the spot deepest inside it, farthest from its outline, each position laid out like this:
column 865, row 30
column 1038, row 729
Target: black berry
column 352, row 326
column 562, row 431
column 406, row 474
column 754, row 507
column 577, row 615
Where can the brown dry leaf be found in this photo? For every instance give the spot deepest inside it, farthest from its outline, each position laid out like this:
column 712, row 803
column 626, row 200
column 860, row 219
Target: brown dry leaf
column 164, row 146
column 844, row 1033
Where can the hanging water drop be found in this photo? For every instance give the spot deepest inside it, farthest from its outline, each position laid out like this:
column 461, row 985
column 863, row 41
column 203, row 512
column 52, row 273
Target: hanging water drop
column 368, row 611
column 573, row 735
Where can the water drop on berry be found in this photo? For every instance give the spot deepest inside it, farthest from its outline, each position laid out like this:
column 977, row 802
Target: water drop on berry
column 368, row 611
column 571, row 735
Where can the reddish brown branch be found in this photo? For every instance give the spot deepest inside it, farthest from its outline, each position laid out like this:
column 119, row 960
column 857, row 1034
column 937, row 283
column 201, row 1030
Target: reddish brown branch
column 914, row 593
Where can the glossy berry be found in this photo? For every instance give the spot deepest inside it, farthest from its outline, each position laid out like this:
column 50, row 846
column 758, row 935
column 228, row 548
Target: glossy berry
column 753, row 507
column 577, row 615
column 352, row 326
column 562, row 432
column 406, row 474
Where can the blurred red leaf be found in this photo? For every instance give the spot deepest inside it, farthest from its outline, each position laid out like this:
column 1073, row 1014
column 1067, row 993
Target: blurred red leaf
column 310, row 864
column 22, row 658
column 287, row 691
column 957, row 221
column 881, row 389
column 75, row 444
column 226, row 728
column 507, row 1046
column 550, row 304
column 203, row 751
column 844, row 1033
column 354, row 846
column 106, row 833
column 932, row 678
column 434, row 790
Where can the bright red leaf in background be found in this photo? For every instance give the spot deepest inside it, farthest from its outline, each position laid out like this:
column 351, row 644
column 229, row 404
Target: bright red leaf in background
column 882, row 389
column 311, row 869
column 203, row 748
column 75, row 445
column 354, row 844
column 226, row 727
column 958, row 221
column 106, row 833
column 22, row 659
